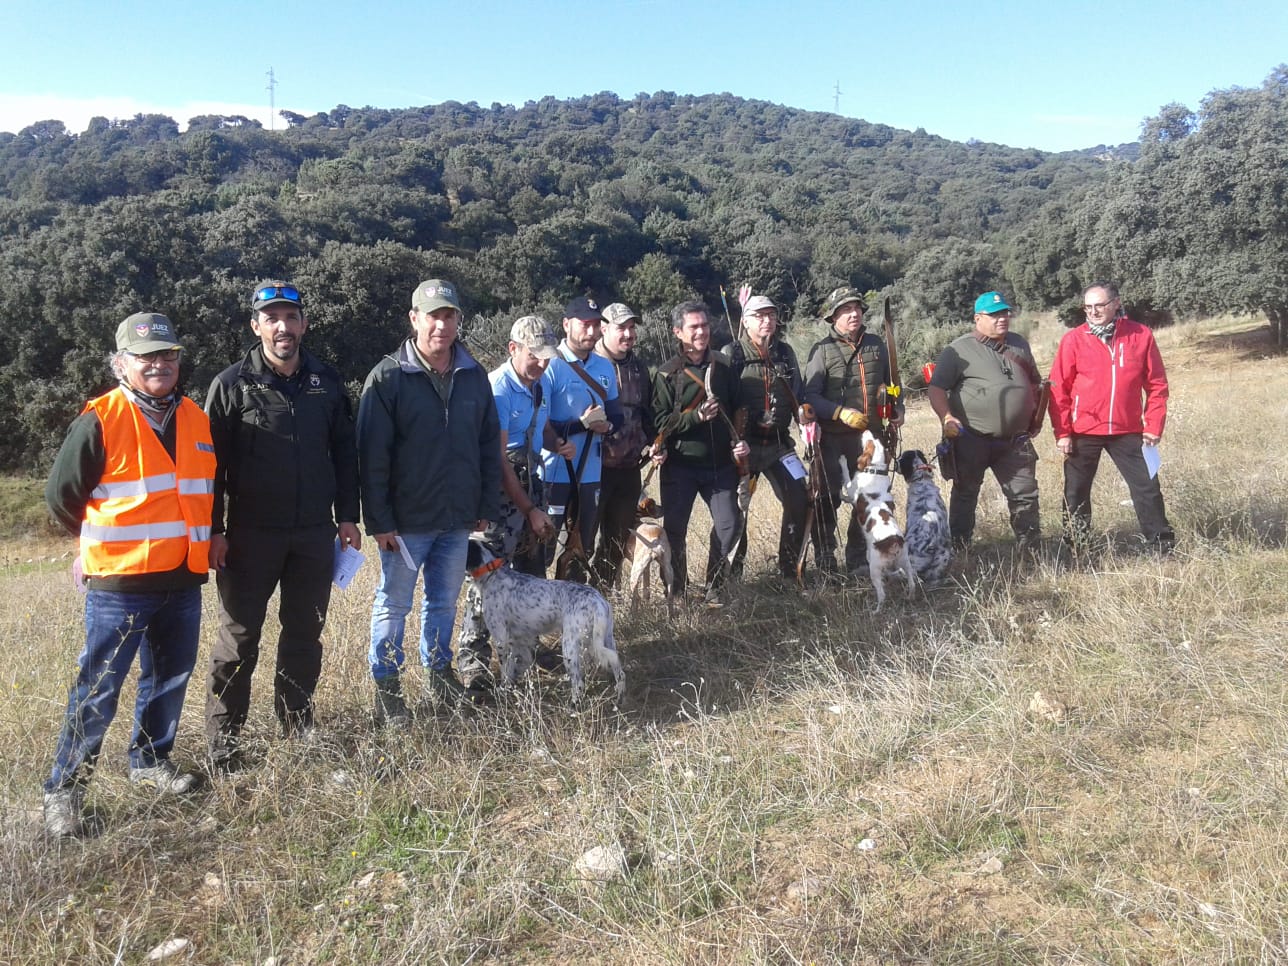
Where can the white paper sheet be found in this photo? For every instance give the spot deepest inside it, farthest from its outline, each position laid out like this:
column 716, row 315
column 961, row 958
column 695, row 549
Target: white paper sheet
column 1152, row 459
column 792, row 463
column 348, row 562
column 406, row 554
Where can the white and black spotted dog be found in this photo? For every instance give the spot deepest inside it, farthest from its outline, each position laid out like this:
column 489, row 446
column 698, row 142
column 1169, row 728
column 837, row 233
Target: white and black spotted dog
column 868, row 491
column 519, row 608
column 930, row 545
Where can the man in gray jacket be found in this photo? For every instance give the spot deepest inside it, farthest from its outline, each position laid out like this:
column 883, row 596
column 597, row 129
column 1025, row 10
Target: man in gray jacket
column 430, row 458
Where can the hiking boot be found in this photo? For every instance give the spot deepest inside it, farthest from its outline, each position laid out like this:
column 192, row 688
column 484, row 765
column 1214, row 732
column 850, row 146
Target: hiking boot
column 164, row 777
column 63, row 808
column 297, row 724
column 446, row 688
column 550, row 660
column 391, row 709
column 224, row 755
column 478, row 690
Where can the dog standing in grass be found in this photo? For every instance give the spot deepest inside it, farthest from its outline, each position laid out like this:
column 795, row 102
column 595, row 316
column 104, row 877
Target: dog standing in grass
column 868, row 491
column 647, row 545
column 518, row 609
column 927, row 537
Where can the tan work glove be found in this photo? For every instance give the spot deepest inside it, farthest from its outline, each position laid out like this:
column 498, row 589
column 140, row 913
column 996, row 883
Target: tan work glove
column 852, row 418
column 593, row 417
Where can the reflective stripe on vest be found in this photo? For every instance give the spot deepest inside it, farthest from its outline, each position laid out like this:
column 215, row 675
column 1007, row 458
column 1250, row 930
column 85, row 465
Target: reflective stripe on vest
column 149, row 484
column 149, row 513
column 140, row 531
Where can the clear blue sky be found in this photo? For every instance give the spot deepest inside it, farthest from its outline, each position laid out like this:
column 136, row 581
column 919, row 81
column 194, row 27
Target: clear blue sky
column 1029, row 74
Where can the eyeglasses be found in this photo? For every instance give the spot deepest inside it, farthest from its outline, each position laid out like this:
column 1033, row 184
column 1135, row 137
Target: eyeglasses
column 287, row 292
column 1098, row 307
column 164, row 355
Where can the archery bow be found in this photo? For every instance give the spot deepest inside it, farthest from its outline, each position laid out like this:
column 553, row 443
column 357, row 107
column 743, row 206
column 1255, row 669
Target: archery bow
column 887, row 408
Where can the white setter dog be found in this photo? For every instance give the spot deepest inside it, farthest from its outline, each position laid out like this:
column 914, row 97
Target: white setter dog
column 930, row 546
column 868, row 491
column 518, row 609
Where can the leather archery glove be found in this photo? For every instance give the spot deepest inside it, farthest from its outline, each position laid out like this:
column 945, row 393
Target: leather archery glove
column 852, row 418
column 593, row 416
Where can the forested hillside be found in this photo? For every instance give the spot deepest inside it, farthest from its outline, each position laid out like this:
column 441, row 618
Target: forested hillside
column 647, row 200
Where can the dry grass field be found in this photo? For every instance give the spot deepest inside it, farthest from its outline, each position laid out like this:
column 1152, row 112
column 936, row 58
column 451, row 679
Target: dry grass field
column 790, row 779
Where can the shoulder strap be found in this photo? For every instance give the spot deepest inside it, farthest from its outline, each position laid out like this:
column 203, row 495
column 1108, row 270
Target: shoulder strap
column 737, row 357
column 599, row 390
column 528, row 436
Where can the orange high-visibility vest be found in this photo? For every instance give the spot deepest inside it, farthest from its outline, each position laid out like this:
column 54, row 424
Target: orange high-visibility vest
column 149, row 514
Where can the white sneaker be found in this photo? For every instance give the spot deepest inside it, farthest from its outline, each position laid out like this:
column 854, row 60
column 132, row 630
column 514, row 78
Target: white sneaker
column 63, row 809
column 165, row 777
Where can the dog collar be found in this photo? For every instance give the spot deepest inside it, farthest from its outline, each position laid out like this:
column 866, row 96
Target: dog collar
column 496, row 563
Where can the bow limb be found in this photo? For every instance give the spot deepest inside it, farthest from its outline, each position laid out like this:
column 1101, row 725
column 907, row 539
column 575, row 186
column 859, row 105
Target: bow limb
column 892, row 390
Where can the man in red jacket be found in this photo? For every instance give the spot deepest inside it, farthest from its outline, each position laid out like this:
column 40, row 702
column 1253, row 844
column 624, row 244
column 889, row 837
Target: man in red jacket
column 1109, row 394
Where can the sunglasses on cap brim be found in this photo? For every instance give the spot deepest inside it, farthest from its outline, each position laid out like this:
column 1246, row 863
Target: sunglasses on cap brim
column 272, row 293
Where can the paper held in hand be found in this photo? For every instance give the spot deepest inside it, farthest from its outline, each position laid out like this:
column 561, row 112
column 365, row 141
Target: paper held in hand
column 1152, row 459
column 348, row 562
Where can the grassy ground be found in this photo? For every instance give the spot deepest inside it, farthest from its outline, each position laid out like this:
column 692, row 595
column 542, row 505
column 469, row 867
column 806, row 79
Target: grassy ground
column 792, row 780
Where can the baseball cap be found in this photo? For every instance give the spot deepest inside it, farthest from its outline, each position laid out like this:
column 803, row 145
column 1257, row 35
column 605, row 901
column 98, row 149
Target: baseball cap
column 274, row 290
column 435, row 294
column 842, row 296
column 582, row 308
column 758, row 303
column 991, row 302
column 145, row 332
column 617, row 314
column 535, row 334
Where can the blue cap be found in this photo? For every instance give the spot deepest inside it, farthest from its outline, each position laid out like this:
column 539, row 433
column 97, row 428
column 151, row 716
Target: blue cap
column 991, row 302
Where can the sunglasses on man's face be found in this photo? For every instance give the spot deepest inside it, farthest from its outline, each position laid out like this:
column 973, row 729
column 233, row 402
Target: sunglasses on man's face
column 162, row 355
column 273, row 292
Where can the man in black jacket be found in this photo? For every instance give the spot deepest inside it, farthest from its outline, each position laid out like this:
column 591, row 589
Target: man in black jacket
column 283, row 431
column 700, row 452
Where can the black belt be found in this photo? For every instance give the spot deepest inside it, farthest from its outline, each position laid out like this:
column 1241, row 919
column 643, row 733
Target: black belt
column 1015, row 440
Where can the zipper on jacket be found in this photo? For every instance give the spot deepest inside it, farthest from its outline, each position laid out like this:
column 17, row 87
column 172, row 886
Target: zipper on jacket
column 1113, row 377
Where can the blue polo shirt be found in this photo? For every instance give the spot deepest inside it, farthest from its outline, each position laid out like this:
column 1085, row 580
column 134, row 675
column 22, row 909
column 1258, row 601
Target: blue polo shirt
column 514, row 408
column 569, row 397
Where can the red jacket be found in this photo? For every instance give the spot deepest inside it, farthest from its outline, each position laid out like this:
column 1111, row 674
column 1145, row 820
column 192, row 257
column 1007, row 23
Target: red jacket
column 1098, row 389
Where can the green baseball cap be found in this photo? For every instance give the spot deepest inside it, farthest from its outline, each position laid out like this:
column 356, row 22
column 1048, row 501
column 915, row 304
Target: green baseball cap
column 145, row 332
column 435, row 294
column 990, row 303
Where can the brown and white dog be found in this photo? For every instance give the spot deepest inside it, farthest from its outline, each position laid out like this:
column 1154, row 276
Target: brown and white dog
column 868, row 491
column 647, row 545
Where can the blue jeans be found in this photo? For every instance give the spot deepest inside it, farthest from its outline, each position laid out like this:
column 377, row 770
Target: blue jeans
column 162, row 628
column 442, row 556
